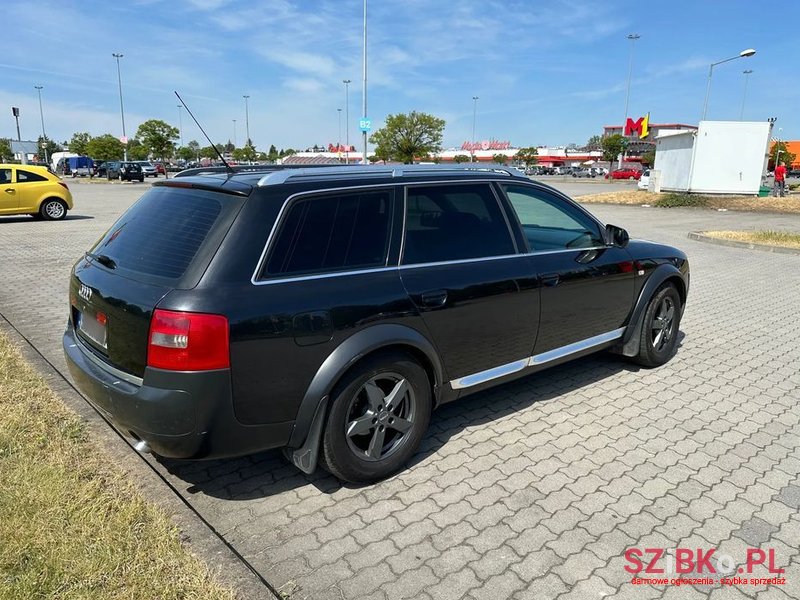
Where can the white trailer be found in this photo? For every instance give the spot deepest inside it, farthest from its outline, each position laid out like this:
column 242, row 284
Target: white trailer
column 721, row 157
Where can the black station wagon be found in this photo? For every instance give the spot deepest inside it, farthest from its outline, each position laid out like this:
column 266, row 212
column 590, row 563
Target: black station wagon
column 328, row 311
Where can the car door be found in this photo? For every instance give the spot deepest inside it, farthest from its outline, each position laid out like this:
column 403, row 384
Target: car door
column 9, row 198
column 587, row 288
column 477, row 294
column 31, row 187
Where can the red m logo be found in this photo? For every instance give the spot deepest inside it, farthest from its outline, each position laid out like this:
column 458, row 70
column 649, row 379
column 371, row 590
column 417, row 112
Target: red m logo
column 640, row 126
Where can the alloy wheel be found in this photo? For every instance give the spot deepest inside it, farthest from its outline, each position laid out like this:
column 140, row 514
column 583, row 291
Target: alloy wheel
column 663, row 324
column 54, row 210
column 380, row 416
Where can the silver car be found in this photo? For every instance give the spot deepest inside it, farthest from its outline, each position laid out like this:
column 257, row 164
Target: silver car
column 148, row 168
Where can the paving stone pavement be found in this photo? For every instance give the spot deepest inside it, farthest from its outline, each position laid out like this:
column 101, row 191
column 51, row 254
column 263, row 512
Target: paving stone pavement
column 534, row 489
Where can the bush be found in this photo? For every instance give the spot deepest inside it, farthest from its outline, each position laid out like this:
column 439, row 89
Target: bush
column 676, row 199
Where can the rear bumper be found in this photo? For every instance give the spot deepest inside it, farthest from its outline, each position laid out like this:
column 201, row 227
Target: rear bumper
column 178, row 414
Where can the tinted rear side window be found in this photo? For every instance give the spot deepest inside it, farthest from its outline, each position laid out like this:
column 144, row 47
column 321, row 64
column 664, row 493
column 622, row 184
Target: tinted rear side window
column 332, row 233
column 162, row 234
column 23, row 176
column 454, row 222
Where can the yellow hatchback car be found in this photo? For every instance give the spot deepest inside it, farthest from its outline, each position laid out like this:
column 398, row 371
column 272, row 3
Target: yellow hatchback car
column 28, row 189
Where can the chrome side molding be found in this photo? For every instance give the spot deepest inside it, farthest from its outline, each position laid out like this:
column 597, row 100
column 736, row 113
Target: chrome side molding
column 536, row 360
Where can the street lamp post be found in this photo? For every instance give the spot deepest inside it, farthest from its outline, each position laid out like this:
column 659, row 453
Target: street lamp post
column 742, row 54
column 632, row 37
column 180, row 124
column 474, row 115
column 121, row 107
column 364, row 87
column 746, row 73
column 234, row 134
column 41, row 115
column 347, row 83
column 247, row 117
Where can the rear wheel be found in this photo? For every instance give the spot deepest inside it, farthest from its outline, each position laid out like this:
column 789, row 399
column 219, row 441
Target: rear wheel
column 631, row 178
column 660, row 327
column 53, row 209
column 379, row 415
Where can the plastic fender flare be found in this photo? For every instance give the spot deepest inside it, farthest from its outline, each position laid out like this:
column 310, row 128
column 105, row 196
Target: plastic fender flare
column 303, row 447
column 629, row 345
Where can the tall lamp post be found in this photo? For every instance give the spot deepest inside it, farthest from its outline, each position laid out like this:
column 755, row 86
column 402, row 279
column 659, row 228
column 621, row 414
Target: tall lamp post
column 180, row 124
column 234, row 134
column 339, row 140
column 247, row 118
column 347, row 83
column 41, row 115
column 474, row 115
column 364, row 87
column 121, row 107
column 742, row 54
column 632, row 37
column 746, row 73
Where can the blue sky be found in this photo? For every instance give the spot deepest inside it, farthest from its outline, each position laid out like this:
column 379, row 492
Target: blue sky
column 545, row 72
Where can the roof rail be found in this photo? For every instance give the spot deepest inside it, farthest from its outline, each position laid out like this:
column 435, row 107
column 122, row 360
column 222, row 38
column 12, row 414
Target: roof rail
column 342, row 172
column 242, row 169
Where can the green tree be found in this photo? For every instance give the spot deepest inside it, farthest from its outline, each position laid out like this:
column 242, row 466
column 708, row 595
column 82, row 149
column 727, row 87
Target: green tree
column 500, row 159
column 157, row 136
column 78, row 143
column 185, row 153
column 137, row 150
column 461, row 158
column 5, row 150
column 594, row 143
column 785, row 156
column 49, row 144
column 613, row 146
column 405, row 137
column 194, row 146
column 229, row 147
column 649, row 158
column 273, row 153
column 105, row 147
column 529, row 155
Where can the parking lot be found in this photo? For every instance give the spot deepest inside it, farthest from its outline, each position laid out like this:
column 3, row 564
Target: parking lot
column 534, row 489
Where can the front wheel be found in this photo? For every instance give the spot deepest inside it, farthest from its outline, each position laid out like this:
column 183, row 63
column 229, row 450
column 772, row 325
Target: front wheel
column 53, row 209
column 631, row 178
column 379, row 415
column 660, row 327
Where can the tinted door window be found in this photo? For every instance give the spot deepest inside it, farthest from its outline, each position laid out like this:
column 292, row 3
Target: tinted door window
column 550, row 223
column 454, row 222
column 332, row 233
column 24, row 176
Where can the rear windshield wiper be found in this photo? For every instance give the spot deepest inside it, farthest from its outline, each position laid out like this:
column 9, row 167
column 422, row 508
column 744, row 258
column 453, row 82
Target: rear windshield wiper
column 103, row 259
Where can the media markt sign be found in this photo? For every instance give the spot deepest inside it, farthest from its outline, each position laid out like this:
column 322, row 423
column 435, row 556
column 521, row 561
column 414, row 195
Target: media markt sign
column 641, row 126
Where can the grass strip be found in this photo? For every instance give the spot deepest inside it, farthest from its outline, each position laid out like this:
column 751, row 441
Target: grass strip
column 71, row 525
column 766, row 237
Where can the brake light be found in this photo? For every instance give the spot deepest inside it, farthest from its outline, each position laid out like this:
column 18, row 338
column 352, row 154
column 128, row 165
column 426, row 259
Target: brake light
column 184, row 341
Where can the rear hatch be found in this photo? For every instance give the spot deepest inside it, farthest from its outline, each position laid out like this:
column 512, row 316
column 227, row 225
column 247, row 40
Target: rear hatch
column 163, row 242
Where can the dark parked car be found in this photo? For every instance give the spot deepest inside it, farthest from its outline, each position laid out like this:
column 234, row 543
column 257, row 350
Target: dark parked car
column 99, row 168
column 124, row 171
column 328, row 311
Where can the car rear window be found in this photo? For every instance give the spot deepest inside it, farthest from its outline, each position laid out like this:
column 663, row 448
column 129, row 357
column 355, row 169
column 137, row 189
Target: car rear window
column 166, row 232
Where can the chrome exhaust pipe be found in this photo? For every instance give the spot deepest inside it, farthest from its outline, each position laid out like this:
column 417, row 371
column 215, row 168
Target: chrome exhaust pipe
column 142, row 447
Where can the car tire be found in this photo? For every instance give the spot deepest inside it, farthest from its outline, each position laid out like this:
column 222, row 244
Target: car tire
column 660, row 326
column 631, row 178
column 361, row 418
column 53, row 209
column 141, row 179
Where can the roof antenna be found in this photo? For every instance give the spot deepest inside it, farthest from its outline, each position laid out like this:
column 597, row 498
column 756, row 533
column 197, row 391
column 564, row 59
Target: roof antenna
column 224, row 162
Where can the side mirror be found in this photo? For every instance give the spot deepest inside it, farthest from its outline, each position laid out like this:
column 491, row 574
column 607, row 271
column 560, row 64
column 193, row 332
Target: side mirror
column 616, row 236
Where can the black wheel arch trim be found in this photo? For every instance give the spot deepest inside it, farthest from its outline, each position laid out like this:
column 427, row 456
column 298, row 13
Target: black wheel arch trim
column 629, row 344
column 304, row 441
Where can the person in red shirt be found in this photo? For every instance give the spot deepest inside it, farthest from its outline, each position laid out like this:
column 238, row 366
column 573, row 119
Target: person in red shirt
column 780, row 181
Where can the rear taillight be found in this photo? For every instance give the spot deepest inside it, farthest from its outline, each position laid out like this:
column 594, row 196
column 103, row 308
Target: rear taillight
column 184, row 341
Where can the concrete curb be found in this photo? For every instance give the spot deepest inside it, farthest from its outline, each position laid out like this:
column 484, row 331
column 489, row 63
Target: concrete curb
column 701, row 237
column 202, row 540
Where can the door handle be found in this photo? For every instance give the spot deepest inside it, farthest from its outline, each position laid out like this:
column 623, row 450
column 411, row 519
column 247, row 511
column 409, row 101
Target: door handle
column 10, row 190
column 550, row 279
column 434, row 298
